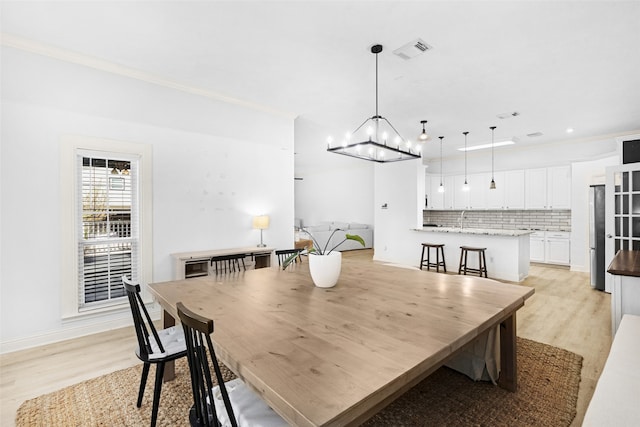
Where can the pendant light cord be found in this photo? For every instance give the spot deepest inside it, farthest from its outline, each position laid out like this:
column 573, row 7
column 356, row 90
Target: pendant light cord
column 377, row 115
column 465, row 156
column 493, row 128
column 441, row 138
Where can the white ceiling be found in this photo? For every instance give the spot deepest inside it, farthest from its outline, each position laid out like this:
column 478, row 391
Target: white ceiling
column 558, row 64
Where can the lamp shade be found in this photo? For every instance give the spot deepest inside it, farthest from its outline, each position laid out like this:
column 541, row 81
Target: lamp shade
column 261, row 222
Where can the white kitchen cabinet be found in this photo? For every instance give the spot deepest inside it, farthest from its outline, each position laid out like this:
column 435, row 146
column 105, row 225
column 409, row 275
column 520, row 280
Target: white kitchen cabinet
column 557, row 247
column 559, row 187
column 495, row 197
column 536, row 246
column 550, row 247
column 536, row 188
column 514, row 190
column 460, row 196
column 434, row 197
column 478, row 185
column 539, row 188
column 449, row 192
column 548, row 188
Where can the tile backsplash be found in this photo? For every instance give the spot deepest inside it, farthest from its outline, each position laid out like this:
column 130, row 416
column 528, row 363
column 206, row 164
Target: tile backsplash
column 553, row 220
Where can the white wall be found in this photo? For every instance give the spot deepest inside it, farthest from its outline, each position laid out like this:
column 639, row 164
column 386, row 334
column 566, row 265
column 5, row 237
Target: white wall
column 330, row 187
column 212, row 171
column 399, row 197
column 584, row 174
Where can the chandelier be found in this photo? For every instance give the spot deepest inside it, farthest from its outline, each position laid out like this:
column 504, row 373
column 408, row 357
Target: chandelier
column 375, row 139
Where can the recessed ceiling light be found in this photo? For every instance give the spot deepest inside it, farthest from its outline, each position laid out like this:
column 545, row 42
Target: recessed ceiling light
column 482, row 146
column 569, row 130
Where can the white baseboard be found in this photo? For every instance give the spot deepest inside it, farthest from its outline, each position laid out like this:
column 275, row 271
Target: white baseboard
column 72, row 330
column 580, row 268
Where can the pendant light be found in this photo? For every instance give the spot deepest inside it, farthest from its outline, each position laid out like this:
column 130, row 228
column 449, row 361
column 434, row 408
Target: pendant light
column 492, row 186
column 423, row 137
column 379, row 141
column 441, row 188
column 465, row 187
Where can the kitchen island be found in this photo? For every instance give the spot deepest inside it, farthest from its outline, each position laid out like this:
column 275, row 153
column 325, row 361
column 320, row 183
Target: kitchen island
column 507, row 250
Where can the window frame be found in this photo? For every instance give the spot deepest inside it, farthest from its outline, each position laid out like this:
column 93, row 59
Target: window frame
column 71, row 147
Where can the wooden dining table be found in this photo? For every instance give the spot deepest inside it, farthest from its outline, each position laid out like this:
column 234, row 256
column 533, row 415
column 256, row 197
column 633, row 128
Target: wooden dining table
column 337, row 356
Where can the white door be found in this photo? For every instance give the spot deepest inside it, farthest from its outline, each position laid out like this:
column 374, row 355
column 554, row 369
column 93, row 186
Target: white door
column 622, row 213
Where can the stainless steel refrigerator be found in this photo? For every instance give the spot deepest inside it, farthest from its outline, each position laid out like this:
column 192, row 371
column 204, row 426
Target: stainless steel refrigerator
column 596, row 235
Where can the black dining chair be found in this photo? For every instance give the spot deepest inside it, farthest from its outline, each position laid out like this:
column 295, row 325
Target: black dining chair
column 228, row 263
column 154, row 347
column 229, row 403
column 283, row 254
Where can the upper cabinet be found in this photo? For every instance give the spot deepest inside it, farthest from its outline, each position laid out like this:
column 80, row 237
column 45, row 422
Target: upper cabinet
column 495, row 197
column 435, row 199
column 559, row 187
column 461, row 195
column 548, row 188
column 449, row 192
column 535, row 188
column 478, row 187
column 514, row 190
column 540, row 188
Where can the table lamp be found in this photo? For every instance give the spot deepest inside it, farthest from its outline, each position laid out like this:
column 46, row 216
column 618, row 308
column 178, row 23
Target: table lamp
column 261, row 222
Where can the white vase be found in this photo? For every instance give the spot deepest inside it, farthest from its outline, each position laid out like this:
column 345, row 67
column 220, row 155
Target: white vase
column 325, row 269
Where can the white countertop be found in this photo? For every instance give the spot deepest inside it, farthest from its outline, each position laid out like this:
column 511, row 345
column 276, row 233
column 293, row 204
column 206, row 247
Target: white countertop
column 483, row 231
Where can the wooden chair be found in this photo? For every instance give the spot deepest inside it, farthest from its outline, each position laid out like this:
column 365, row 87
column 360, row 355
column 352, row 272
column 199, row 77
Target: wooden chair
column 283, row 254
column 228, row 263
column 157, row 347
column 230, row 403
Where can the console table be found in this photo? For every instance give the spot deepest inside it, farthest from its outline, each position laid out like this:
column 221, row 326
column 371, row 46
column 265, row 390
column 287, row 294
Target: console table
column 196, row 264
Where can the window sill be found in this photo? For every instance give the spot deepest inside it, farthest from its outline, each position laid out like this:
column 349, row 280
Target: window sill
column 97, row 312
column 116, row 310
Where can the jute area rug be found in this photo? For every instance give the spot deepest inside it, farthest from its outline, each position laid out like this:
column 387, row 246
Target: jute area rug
column 548, row 381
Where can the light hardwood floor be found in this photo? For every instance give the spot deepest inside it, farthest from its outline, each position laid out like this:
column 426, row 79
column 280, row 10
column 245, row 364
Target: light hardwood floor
column 564, row 312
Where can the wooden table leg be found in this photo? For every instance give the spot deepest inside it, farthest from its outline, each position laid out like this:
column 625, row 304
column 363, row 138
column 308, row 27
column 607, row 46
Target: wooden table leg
column 169, row 367
column 508, row 360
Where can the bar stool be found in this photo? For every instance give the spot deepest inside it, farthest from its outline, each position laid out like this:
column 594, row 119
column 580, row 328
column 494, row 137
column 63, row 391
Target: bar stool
column 482, row 262
column 439, row 247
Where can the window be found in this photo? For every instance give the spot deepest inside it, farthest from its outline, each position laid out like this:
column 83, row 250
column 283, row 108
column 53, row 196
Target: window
column 107, row 237
column 105, row 223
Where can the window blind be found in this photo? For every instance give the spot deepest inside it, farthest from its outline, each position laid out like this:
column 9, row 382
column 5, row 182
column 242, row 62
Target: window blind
column 108, row 224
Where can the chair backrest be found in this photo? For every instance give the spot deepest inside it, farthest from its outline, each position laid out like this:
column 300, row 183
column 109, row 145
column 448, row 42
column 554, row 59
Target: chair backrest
column 283, row 254
column 142, row 321
column 197, row 332
column 228, row 263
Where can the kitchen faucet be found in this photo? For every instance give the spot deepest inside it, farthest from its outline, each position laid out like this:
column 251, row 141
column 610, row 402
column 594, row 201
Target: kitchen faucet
column 462, row 219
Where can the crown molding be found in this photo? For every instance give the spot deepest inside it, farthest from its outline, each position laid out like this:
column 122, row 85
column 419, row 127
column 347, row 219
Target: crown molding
column 27, row 45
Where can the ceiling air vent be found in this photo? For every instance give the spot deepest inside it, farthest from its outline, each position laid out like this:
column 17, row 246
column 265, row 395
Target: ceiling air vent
column 534, row 134
column 508, row 115
column 412, row 49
